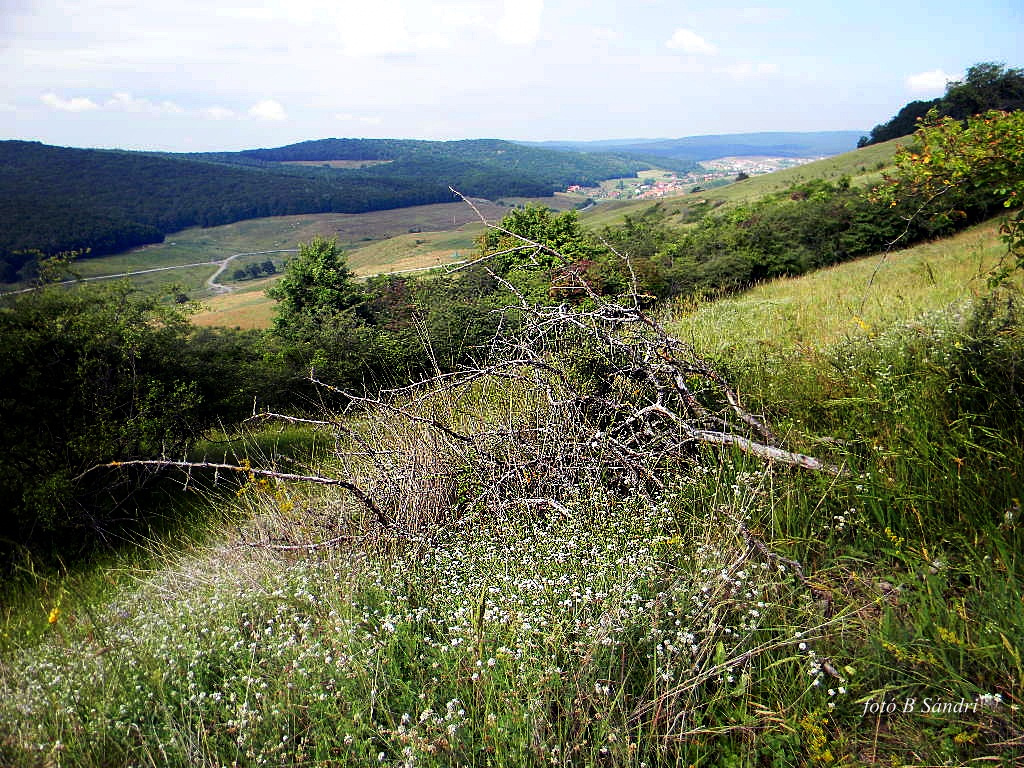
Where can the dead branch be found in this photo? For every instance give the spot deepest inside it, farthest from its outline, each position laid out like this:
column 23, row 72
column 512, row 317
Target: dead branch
column 566, row 403
column 188, row 466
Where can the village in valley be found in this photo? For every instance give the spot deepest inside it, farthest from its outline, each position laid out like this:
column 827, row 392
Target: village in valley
column 653, row 184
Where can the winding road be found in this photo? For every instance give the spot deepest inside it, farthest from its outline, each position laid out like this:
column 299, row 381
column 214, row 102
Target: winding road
column 221, row 264
column 211, row 281
column 216, row 287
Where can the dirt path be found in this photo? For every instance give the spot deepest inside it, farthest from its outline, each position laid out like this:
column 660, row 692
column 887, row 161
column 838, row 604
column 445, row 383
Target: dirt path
column 216, row 287
column 211, row 282
column 222, row 264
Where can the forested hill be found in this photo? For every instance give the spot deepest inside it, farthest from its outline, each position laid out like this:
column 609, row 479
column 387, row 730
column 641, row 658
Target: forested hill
column 55, row 199
column 988, row 85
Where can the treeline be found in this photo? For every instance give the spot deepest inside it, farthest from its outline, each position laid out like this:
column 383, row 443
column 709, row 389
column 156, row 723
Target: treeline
column 986, row 86
column 55, row 199
column 102, row 373
column 811, row 225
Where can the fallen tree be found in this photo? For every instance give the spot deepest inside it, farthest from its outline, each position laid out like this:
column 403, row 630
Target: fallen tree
column 566, row 401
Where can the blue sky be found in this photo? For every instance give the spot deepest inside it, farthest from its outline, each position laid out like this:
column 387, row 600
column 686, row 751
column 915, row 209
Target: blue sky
column 193, row 75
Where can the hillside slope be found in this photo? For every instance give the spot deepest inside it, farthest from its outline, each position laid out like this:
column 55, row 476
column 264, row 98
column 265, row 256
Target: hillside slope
column 862, row 166
column 756, row 613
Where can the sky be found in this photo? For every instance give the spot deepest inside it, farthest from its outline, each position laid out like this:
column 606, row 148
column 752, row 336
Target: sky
column 195, row 75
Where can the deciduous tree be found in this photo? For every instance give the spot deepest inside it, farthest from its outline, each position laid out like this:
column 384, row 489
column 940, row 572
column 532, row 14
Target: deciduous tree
column 952, row 165
column 316, row 285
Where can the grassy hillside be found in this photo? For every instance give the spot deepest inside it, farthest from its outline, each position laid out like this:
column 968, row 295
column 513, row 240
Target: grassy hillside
column 862, row 166
column 752, row 614
column 849, row 301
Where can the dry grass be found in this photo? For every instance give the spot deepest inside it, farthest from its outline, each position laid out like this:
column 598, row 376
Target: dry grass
column 847, row 300
column 411, row 251
column 248, row 309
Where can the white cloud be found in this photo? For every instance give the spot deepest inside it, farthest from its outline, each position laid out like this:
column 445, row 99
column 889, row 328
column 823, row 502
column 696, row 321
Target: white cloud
column 217, row 113
column 687, row 41
column 268, row 109
column 75, row 104
column 247, row 13
column 933, row 81
column 128, row 103
column 520, row 21
column 382, row 28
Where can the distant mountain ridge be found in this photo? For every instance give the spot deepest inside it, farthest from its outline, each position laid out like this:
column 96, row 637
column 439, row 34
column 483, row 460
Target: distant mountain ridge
column 686, row 152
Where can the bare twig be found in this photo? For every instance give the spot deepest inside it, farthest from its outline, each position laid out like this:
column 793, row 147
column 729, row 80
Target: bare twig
column 354, row 489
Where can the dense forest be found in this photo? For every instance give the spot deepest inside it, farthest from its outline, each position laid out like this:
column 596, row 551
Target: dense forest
column 55, row 199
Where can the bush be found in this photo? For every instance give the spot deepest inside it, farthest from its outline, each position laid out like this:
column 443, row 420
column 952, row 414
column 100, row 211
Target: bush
column 88, row 376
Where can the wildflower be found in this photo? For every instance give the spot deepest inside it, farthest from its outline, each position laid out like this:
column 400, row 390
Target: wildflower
column 54, row 615
column 990, row 701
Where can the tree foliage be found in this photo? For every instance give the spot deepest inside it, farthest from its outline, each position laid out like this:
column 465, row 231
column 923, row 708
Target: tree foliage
column 98, row 373
column 986, row 86
column 953, row 165
column 87, row 375
column 316, row 284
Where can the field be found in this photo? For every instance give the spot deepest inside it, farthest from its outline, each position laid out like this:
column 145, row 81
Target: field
column 845, row 302
column 201, row 245
column 248, row 307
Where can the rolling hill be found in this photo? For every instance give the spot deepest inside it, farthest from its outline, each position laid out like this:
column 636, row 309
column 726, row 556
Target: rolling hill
column 54, row 199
